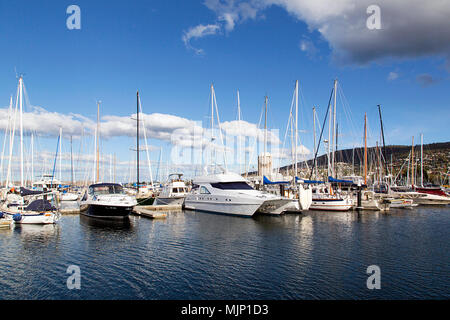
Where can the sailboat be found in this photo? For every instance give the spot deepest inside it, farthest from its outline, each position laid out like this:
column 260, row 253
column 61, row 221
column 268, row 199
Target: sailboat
column 324, row 198
column 145, row 194
column 32, row 208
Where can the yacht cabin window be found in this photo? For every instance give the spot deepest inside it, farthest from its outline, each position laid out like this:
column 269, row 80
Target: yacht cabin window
column 203, row 190
column 107, row 189
column 241, row 185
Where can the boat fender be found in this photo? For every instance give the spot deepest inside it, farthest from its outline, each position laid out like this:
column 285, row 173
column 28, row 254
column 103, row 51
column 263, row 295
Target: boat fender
column 17, row 217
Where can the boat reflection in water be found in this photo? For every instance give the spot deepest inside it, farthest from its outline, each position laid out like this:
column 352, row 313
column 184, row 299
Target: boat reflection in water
column 113, row 224
column 37, row 235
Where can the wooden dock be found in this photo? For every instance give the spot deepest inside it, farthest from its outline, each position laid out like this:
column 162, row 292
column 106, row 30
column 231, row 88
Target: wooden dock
column 155, row 212
column 69, row 211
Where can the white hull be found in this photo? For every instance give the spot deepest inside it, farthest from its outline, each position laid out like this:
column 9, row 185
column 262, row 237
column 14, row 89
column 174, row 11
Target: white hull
column 69, row 197
column 172, row 201
column 36, row 218
column 194, row 202
column 304, row 198
column 331, row 205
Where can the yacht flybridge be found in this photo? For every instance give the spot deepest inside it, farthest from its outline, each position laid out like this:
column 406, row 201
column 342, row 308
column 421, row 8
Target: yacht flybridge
column 229, row 193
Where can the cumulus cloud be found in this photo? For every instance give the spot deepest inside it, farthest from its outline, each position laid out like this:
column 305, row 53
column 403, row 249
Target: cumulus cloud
column 176, row 130
column 246, row 129
column 409, row 28
column 47, row 123
column 199, row 31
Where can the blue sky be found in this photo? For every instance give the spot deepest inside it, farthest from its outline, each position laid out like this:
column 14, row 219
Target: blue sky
column 124, row 46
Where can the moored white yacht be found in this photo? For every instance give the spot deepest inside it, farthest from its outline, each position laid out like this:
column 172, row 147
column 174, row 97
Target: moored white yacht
column 229, row 193
column 324, row 201
column 38, row 211
column 108, row 201
column 173, row 192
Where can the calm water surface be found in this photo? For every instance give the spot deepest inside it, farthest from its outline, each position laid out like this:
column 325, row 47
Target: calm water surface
column 193, row 255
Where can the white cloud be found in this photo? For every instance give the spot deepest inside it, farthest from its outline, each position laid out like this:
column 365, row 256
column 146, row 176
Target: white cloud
column 47, row 123
column 393, row 76
column 246, row 129
column 409, row 29
column 308, row 47
column 197, row 32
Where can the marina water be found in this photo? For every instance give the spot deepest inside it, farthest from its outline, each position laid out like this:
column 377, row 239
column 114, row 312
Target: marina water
column 194, row 255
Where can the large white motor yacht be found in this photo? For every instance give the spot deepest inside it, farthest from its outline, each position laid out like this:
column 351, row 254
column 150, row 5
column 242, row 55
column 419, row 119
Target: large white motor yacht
column 229, row 193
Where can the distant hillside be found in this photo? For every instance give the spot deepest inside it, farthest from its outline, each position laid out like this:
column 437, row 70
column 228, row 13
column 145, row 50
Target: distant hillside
column 437, row 155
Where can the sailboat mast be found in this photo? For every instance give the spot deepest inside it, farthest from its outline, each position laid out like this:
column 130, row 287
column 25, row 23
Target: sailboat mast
column 412, row 163
column 32, row 158
column 329, row 138
column 382, row 135
column 114, row 169
column 334, row 131
column 265, row 135
column 296, row 128
column 239, row 134
column 421, row 159
column 60, row 155
column 97, row 177
column 137, row 140
column 212, row 124
column 365, row 148
column 314, row 129
column 71, row 161
column 7, row 130
column 21, row 128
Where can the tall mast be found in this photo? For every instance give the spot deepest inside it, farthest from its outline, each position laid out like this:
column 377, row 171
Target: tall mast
column 329, row 138
column 60, row 155
column 382, row 135
column 212, row 124
column 296, row 128
column 412, row 163
column 137, row 140
column 365, row 148
column 71, row 161
column 353, row 161
column 97, row 177
column 334, row 130
column 265, row 134
column 146, row 146
column 314, row 130
column 111, row 168
column 8, row 128
column 21, row 128
column 408, row 181
column 114, row 169
column 32, row 158
column 421, row 159
column 239, row 134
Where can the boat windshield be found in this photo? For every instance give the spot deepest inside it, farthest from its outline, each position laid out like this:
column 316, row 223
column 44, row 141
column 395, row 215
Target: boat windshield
column 231, row 186
column 110, row 189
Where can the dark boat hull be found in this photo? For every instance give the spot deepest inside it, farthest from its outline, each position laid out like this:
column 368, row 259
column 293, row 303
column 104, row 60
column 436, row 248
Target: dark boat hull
column 145, row 201
column 107, row 212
